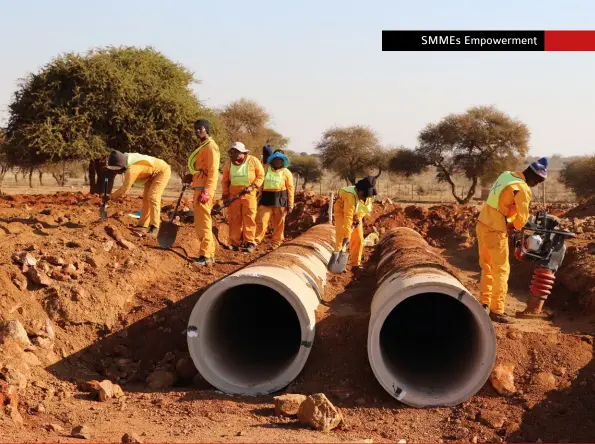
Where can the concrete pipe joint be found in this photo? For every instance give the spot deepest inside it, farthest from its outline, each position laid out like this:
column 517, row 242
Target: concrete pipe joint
column 430, row 342
column 251, row 332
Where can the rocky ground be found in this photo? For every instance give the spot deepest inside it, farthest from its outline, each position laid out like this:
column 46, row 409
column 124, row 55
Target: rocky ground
column 84, row 300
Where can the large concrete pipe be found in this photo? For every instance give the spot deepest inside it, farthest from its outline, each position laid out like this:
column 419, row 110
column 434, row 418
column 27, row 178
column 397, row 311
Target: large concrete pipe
column 251, row 332
column 430, row 342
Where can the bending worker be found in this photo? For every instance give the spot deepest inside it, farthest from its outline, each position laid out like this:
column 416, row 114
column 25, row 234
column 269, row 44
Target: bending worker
column 149, row 171
column 242, row 176
column 276, row 200
column 352, row 204
column 507, row 208
column 203, row 165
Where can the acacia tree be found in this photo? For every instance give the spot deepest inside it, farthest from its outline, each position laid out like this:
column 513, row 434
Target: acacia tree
column 248, row 122
column 472, row 144
column 578, row 176
column 350, row 152
column 79, row 107
column 306, row 167
column 406, row 162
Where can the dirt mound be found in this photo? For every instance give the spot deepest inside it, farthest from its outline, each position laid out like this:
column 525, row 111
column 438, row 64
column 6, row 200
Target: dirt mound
column 584, row 209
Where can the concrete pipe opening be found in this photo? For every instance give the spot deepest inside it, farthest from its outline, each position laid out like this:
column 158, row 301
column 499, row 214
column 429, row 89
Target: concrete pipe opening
column 251, row 332
column 431, row 345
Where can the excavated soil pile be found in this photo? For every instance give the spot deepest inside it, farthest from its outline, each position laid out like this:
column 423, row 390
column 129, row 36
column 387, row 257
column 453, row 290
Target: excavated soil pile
column 584, row 209
column 309, row 210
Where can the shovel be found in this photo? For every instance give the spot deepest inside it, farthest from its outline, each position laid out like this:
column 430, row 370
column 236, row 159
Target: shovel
column 168, row 230
column 219, row 210
column 338, row 261
column 102, row 212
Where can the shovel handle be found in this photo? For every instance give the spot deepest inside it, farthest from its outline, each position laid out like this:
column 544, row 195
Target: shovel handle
column 173, row 216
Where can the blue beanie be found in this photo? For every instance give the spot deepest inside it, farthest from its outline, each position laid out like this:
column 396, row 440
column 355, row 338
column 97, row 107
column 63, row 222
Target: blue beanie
column 540, row 167
column 279, row 156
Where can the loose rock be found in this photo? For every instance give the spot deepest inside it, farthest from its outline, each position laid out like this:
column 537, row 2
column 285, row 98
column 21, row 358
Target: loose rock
column 54, row 428
column 113, row 232
column 14, row 330
column 544, row 380
column 502, row 379
column 514, row 334
column 492, row 419
column 24, row 258
column 14, row 376
column 319, row 413
column 20, row 283
column 8, row 395
column 54, row 260
column 186, row 368
column 106, row 390
column 161, row 379
column 131, row 438
column 81, row 432
column 13, row 412
column 288, row 404
column 69, row 269
column 39, row 277
column 559, row 371
column 108, row 246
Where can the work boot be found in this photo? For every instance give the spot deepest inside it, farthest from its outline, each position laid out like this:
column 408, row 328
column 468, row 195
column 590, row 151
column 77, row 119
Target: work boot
column 234, row 248
column 250, row 248
column 501, row 318
column 204, row 261
column 153, row 230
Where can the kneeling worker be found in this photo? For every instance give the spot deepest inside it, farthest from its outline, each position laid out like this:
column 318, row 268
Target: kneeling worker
column 144, row 170
column 507, row 208
column 353, row 204
column 276, row 200
column 242, row 175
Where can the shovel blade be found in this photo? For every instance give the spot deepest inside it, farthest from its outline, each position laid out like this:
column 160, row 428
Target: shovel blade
column 166, row 237
column 338, row 262
column 103, row 213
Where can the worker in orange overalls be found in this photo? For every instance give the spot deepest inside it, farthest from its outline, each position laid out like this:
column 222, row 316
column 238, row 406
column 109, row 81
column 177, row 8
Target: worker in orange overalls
column 149, row 171
column 352, row 204
column 203, row 165
column 276, row 200
column 507, row 208
column 242, row 175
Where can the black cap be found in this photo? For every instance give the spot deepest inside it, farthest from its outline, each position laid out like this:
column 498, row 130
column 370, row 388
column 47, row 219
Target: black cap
column 205, row 123
column 116, row 159
column 367, row 186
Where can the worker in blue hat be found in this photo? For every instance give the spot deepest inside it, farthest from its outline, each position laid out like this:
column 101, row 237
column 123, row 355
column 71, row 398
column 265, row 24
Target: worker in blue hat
column 506, row 209
column 277, row 198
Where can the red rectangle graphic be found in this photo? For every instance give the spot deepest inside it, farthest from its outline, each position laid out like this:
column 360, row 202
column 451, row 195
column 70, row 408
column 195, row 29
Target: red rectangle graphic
column 569, row 40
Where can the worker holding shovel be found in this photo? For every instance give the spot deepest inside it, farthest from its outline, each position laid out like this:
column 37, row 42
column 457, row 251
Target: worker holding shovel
column 277, row 198
column 149, row 171
column 352, row 204
column 242, row 175
column 203, row 165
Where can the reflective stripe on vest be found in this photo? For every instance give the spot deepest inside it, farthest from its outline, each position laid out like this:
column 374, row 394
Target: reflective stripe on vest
column 505, row 179
column 132, row 158
column 239, row 174
column 361, row 209
column 273, row 180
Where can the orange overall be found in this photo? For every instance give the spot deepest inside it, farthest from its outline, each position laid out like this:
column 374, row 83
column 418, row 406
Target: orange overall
column 276, row 181
column 347, row 209
column 206, row 166
column 513, row 208
column 242, row 212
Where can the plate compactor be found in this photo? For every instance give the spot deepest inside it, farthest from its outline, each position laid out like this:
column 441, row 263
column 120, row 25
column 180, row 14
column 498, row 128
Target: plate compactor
column 542, row 242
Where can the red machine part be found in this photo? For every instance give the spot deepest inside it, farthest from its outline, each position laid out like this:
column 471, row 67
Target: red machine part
column 542, row 282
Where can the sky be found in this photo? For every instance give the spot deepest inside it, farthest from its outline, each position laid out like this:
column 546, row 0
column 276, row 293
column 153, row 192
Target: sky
column 316, row 64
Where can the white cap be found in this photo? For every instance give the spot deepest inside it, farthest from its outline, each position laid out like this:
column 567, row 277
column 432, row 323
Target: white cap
column 238, row 146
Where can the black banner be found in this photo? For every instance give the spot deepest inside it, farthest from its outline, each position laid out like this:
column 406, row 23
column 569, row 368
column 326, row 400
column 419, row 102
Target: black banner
column 463, row 40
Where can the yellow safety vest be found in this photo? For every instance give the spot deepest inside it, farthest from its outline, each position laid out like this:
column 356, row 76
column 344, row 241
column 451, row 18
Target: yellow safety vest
column 132, row 158
column 238, row 174
column 361, row 209
column 192, row 157
column 505, row 179
column 273, row 179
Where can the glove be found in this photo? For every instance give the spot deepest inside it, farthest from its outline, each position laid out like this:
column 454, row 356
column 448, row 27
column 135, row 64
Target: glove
column 204, row 197
column 187, row 178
